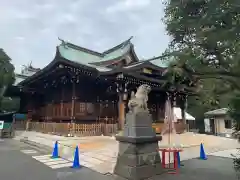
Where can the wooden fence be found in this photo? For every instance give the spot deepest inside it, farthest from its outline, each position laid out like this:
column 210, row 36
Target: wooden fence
column 72, row 129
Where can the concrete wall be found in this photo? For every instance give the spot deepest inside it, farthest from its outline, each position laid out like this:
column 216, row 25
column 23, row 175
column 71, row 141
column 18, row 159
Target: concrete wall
column 220, row 126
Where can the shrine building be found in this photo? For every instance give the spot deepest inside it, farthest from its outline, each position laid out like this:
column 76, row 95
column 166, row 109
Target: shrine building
column 82, row 86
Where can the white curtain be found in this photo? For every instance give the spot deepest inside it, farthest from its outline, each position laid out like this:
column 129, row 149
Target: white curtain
column 169, row 118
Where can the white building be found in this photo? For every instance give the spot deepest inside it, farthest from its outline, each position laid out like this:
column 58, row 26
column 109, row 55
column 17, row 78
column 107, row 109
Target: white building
column 218, row 122
column 26, row 72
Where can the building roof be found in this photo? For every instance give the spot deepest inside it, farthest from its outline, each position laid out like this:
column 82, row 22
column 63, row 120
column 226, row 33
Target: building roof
column 85, row 56
column 19, row 78
column 222, row 111
column 26, row 72
column 100, row 63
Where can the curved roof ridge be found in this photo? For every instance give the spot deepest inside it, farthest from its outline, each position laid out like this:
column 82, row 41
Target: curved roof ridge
column 121, row 45
column 65, row 43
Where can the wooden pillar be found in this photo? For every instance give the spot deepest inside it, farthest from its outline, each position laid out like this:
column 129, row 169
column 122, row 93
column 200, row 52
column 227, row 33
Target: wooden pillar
column 121, row 86
column 121, row 112
column 29, row 108
column 29, row 111
column 72, row 124
column 62, row 98
column 73, row 101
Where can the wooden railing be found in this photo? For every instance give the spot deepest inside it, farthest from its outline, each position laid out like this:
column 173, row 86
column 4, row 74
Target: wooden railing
column 72, row 129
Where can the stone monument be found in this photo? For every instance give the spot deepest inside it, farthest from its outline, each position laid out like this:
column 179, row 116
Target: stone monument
column 138, row 156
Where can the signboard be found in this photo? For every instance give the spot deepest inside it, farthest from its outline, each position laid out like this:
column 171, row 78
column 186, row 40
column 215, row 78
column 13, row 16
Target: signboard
column 147, row 71
column 1, row 125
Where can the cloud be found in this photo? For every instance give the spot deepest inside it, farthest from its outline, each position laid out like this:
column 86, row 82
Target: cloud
column 30, row 28
column 20, row 38
column 127, row 5
column 69, row 18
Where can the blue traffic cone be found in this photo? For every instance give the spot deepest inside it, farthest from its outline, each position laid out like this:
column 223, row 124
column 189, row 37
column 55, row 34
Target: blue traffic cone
column 178, row 159
column 202, row 153
column 55, row 151
column 76, row 163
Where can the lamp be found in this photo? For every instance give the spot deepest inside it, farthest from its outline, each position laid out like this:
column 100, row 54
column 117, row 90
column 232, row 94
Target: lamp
column 60, row 66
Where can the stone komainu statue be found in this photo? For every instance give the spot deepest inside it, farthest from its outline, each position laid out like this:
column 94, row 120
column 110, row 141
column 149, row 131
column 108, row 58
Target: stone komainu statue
column 138, row 101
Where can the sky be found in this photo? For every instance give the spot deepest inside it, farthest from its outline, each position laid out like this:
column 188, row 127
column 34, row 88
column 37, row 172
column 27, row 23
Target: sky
column 29, row 29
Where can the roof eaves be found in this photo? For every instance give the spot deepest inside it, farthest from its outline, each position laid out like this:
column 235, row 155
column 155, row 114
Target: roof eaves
column 77, row 64
column 217, row 112
column 21, row 75
column 142, row 64
column 38, row 73
column 133, row 52
column 141, row 77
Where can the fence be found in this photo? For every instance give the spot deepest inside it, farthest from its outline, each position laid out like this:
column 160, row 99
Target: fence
column 72, row 129
column 20, row 125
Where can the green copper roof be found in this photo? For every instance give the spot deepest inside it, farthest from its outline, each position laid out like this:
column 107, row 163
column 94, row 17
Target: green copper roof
column 84, row 56
column 117, row 53
column 76, row 55
column 159, row 62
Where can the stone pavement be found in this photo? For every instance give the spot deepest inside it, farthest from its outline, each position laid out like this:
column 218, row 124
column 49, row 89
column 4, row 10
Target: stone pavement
column 17, row 164
column 100, row 152
column 230, row 153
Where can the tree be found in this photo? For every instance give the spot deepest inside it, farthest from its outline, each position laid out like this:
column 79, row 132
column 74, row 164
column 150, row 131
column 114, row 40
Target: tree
column 7, row 76
column 234, row 113
column 206, row 31
column 206, row 41
column 10, row 104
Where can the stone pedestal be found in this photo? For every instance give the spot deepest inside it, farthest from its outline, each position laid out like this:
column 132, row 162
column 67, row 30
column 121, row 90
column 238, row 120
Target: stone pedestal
column 138, row 156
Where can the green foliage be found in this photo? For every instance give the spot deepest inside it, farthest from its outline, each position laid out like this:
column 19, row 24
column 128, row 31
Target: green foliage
column 234, row 113
column 10, row 104
column 206, row 41
column 206, row 32
column 7, row 76
column 178, row 79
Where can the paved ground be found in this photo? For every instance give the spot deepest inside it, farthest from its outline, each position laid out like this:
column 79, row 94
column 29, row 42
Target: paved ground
column 16, row 163
column 100, row 152
column 19, row 161
column 214, row 168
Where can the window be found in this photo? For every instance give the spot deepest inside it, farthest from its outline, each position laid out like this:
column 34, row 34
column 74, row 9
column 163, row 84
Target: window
column 82, row 107
column 228, row 124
